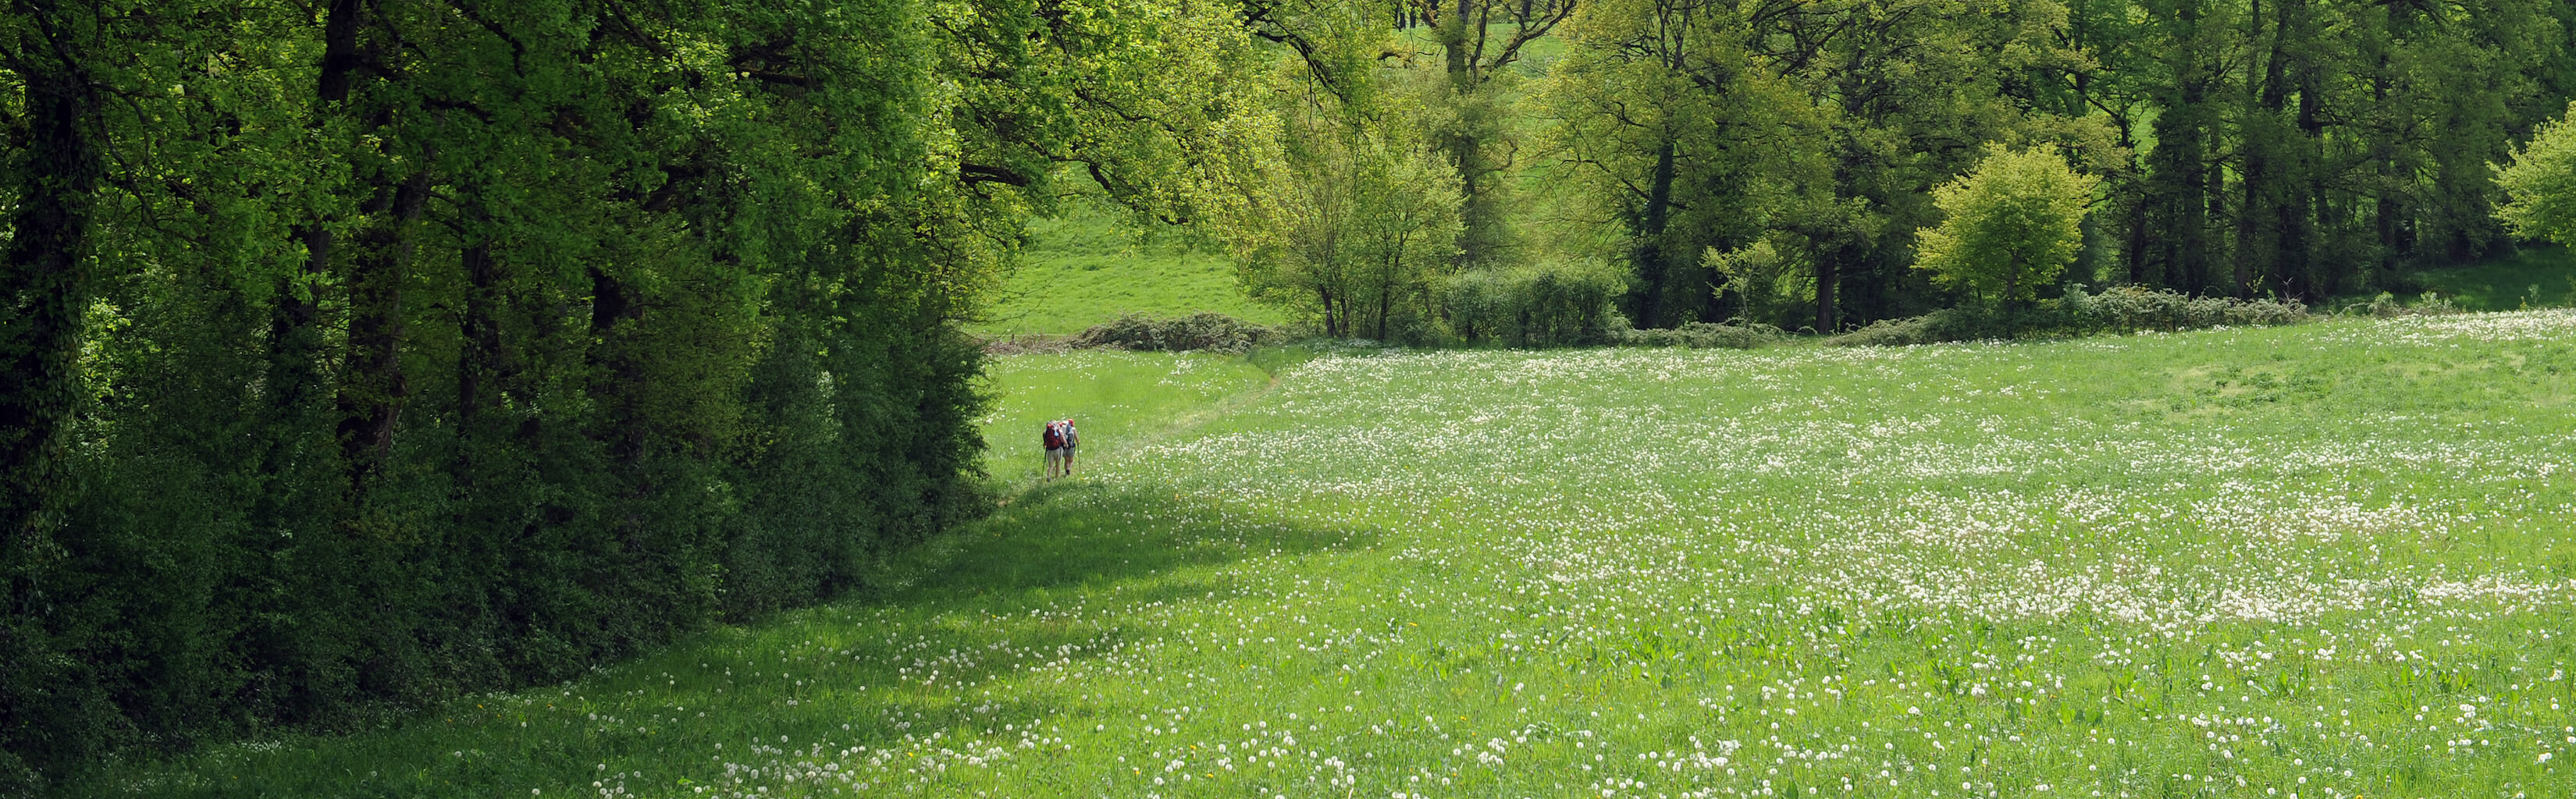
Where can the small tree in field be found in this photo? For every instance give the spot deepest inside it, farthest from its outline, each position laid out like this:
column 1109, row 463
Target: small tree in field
column 2540, row 184
column 2012, row 225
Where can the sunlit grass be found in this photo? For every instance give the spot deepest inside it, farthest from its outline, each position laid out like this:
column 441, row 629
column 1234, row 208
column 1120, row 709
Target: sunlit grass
column 1117, row 399
column 1089, row 266
column 2329, row 560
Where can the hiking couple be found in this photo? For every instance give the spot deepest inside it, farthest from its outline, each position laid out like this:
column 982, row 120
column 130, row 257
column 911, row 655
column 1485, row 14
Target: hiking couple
column 1059, row 439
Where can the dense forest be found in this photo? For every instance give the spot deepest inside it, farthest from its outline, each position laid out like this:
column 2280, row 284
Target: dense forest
column 1774, row 161
column 362, row 353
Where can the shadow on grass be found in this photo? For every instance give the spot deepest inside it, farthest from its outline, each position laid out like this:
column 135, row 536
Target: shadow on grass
column 2540, row 276
column 1046, row 588
column 1090, row 535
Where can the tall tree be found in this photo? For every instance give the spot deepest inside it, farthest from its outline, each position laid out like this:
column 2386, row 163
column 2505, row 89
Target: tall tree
column 55, row 55
column 1480, row 40
column 1826, row 121
column 1351, row 220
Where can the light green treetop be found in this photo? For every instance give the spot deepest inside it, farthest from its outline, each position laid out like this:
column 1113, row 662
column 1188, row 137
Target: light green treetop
column 2009, row 226
column 2540, row 184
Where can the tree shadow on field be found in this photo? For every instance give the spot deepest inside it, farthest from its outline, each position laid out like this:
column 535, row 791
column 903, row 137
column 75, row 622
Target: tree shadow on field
column 1041, row 587
column 1018, row 620
column 1044, row 583
column 1085, row 535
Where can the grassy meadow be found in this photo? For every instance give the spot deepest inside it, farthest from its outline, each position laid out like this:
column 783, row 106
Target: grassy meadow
column 1090, row 264
column 2330, row 560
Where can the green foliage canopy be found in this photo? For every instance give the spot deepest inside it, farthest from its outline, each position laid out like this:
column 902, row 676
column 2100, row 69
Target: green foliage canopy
column 2540, row 183
column 1347, row 214
column 2010, row 226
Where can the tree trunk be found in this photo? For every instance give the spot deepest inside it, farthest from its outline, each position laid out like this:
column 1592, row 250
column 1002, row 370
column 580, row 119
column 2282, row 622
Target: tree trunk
column 2302, row 206
column 295, row 337
column 1385, row 296
column 1827, row 275
column 47, row 284
column 373, row 386
column 2179, row 160
column 2136, row 247
column 479, row 366
column 1332, row 325
column 2388, row 207
column 1650, row 255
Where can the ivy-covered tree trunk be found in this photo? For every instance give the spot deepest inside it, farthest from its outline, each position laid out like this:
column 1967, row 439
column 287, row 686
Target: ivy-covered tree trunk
column 55, row 161
column 1653, row 264
column 373, row 386
column 47, row 277
column 1828, row 276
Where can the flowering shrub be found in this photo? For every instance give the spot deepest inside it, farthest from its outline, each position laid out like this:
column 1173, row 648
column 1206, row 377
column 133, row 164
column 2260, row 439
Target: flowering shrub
column 1205, row 331
column 2121, row 309
column 2125, row 309
column 1701, row 336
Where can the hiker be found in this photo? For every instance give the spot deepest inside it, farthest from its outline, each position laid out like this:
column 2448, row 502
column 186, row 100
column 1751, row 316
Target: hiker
column 1071, row 438
column 1056, row 450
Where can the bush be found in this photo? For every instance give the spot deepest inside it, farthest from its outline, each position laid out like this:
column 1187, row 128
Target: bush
column 2122, row 309
column 1700, row 336
column 2387, row 305
column 1549, row 305
column 1892, row 332
column 1207, row 331
column 2540, row 185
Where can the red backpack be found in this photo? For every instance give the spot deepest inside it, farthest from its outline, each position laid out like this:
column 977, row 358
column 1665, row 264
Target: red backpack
column 1053, row 437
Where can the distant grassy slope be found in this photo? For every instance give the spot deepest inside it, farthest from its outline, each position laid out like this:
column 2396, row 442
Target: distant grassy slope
column 2499, row 285
column 1087, row 267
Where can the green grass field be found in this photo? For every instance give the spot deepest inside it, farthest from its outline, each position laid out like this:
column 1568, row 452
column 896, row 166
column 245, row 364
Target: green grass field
column 1088, row 265
column 2329, row 560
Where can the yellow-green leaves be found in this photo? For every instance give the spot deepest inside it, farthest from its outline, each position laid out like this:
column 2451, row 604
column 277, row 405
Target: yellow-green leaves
column 2011, row 225
column 2541, row 184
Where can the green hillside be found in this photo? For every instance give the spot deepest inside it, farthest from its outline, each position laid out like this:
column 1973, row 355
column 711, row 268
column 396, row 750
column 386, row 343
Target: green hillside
column 2327, row 560
column 1089, row 265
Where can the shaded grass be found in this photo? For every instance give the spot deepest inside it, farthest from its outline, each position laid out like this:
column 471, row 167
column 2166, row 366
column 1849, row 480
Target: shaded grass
column 2543, row 272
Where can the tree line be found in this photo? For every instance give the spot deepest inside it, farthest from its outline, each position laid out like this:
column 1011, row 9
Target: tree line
column 361, row 353
column 1776, row 161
